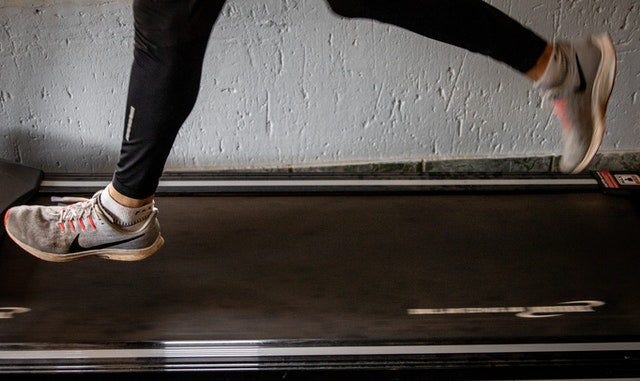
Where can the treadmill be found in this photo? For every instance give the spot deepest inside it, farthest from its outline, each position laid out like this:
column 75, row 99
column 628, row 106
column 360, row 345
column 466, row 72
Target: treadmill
column 371, row 275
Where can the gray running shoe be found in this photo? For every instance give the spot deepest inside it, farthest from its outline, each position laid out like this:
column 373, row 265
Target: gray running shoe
column 581, row 90
column 82, row 229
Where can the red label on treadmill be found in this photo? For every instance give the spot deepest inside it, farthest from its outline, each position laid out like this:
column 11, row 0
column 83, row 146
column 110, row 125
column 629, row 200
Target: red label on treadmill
column 607, row 179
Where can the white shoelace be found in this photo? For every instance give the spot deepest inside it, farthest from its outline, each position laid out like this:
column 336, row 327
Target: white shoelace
column 77, row 207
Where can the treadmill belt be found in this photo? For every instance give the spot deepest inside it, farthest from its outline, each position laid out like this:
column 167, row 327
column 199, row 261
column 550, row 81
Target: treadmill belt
column 458, row 273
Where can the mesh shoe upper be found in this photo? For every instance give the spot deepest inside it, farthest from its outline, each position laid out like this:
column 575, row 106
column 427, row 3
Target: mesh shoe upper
column 76, row 230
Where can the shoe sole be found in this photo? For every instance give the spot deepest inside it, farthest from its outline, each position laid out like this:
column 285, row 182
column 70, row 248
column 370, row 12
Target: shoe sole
column 110, row 254
column 601, row 93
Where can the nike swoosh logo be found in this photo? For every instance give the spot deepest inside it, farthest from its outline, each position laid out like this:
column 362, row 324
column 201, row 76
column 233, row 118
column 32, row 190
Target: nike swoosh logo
column 583, row 82
column 76, row 247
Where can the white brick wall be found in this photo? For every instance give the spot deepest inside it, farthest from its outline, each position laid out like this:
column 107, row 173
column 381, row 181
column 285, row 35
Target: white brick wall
column 287, row 83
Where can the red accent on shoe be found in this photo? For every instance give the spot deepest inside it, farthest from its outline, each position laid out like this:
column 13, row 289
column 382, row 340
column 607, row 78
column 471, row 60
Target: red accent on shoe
column 82, row 225
column 6, row 217
column 93, row 226
column 560, row 110
column 61, row 225
column 73, row 227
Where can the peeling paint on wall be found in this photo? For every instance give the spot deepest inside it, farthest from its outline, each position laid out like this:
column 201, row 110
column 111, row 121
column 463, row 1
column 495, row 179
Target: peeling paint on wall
column 287, row 83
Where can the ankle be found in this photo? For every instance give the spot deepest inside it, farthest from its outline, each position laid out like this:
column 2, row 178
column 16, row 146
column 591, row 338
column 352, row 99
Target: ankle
column 125, row 215
column 537, row 71
column 127, row 201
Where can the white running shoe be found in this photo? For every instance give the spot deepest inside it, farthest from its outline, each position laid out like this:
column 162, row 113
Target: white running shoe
column 82, row 229
column 580, row 80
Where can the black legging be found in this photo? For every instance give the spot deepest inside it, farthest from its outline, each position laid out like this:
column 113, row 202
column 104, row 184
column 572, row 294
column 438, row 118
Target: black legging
column 171, row 38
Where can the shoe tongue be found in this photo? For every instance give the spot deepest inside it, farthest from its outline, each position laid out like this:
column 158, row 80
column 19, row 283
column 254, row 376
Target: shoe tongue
column 106, row 213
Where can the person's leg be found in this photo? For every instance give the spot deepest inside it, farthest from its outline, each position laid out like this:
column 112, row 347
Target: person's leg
column 578, row 74
column 170, row 44
column 469, row 24
column 120, row 223
column 537, row 71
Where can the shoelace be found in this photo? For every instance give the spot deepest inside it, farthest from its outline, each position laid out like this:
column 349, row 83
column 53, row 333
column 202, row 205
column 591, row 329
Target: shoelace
column 555, row 94
column 77, row 209
column 560, row 110
column 559, row 107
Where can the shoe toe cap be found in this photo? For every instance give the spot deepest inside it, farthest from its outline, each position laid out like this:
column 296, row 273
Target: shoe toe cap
column 21, row 220
column 11, row 223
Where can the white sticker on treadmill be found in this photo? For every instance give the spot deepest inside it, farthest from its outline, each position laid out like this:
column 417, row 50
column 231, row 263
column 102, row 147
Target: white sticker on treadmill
column 523, row 312
column 628, row 179
column 8, row 312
